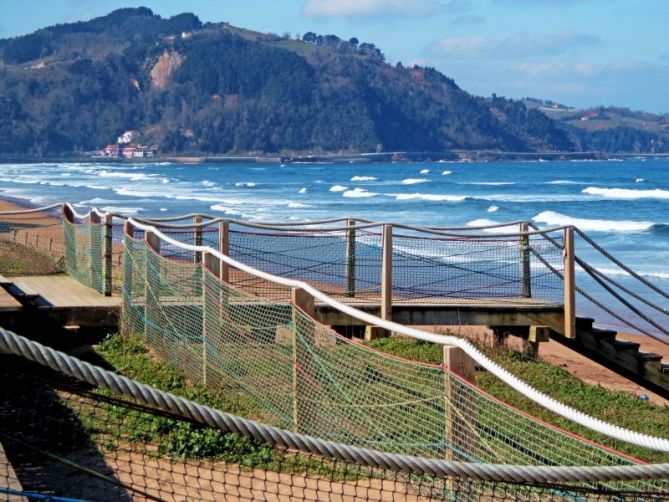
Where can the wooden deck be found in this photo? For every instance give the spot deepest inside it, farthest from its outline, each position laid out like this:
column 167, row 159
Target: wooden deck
column 62, row 291
column 59, row 299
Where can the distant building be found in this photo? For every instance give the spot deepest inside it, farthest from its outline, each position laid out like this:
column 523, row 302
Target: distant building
column 128, row 137
column 144, row 152
column 111, row 151
column 128, row 152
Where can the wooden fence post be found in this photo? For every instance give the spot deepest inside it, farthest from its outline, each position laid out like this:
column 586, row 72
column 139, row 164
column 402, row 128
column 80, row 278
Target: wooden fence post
column 458, row 434
column 211, row 263
column 303, row 300
column 350, row 257
column 151, row 290
column 569, row 284
column 525, row 270
column 197, row 237
column 224, row 248
column 107, row 254
column 95, row 251
column 387, row 273
column 126, row 285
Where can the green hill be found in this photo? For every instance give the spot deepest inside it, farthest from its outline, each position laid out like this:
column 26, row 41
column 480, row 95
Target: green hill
column 191, row 87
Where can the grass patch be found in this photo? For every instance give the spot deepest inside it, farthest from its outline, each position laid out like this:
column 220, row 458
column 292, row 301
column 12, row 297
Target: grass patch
column 616, row 407
column 17, row 259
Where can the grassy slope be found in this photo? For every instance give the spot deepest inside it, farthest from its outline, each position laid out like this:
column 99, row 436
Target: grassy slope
column 132, row 359
column 16, row 259
column 619, row 408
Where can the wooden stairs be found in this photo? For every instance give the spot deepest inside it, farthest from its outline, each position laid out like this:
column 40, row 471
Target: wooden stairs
column 624, row 357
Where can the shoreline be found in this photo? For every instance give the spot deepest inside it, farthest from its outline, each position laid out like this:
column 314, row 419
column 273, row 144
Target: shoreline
column 452, row 156
column 551, row 352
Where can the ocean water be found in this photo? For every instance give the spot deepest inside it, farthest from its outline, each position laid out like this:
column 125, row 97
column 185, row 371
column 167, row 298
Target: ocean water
column 623, row 205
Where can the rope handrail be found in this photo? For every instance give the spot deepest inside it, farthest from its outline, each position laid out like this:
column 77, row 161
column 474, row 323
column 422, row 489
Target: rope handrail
column 13, row 344
column 33, row 210
column 528, row 391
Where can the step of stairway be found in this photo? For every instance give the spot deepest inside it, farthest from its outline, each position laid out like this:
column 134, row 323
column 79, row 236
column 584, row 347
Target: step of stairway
column 584, row 322
column 665, row 368
column 650, row 356
column 603, row 333
column 21, row 293
column 625, row 345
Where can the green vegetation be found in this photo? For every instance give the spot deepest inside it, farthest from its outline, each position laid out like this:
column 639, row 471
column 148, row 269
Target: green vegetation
column 619, row 408
column 75, row 87
column 16, row 259
column 130, row 357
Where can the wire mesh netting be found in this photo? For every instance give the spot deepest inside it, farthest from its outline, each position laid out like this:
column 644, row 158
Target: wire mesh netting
column 31, row 241
column 62, row 439
column 426, row 266
column 294, row 373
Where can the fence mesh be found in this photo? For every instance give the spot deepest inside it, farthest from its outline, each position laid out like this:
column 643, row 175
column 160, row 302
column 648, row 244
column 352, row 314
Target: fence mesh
column 60, row 439
column 31, row 242
column 291, row 372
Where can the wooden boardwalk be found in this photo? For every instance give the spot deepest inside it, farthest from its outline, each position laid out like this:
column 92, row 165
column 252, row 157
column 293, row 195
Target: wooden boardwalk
column 56, row 298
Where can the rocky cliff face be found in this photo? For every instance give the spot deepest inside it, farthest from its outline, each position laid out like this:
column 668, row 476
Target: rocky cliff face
column 167, row 64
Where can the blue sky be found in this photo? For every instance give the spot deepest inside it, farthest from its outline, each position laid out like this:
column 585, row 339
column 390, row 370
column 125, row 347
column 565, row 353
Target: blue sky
column 580, row 52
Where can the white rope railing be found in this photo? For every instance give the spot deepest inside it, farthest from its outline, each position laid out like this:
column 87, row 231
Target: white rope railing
column 592, row 423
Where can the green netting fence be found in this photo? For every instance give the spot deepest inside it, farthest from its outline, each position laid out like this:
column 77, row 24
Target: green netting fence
column 297, row 374
column 63, row 439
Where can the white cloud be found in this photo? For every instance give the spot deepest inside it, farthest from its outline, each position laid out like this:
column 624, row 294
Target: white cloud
column 514, row 46
column 382, row 8
column 559, row 68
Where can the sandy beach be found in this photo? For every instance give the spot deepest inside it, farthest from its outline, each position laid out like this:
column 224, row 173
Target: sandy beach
column 551, row 352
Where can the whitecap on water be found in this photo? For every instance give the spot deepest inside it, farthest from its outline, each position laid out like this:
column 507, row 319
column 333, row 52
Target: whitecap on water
column 338, row 188
column 430, row 197
column 363, row 178
column 627, row 193
column 414, row 181
column 302, row 190
column 358, row 193
column 424, row 171
column 492, row 209
column 552, row 218
column 446, row 173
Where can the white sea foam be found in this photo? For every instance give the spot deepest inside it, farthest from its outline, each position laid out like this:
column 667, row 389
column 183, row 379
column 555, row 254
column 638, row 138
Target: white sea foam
column 424, row 171
column 98, row 200
column 247, row 184
column 446, row 173
column 488, row 183
column 627, row 193
column 302, row 190
column 564, row 182
column 208, row 183
column 297, row 205
column 485, row 222
column 552, row 218
column 163, row 209
column 431, row 197
column 338, row 188
column 122, row 209
column 358, row 193
column 122, row 175
column 639, row 180
column 414, row 181
column 492, row 209
column 363, row 178
column 617, row 271
column 226, row 210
